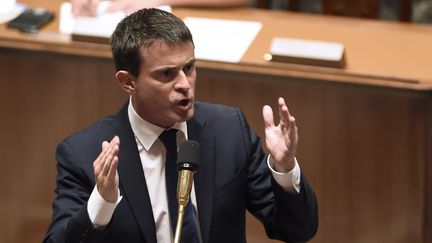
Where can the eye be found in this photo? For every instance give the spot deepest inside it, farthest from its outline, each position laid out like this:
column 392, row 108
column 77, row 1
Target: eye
column 166, row 75
column 188, row 68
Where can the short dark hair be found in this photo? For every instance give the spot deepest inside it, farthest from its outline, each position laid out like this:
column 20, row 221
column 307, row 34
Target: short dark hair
column 141, row 29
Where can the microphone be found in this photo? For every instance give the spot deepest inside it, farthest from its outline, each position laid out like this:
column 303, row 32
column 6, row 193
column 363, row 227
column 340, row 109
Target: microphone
column 187, row 164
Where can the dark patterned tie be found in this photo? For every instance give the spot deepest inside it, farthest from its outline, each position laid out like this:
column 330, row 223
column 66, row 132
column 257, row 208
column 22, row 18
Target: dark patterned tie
column 189, row 230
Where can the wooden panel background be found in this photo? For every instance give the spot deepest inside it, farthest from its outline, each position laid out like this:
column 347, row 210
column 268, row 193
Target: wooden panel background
column 43, row 98
column 362, row 148
column 365, row 150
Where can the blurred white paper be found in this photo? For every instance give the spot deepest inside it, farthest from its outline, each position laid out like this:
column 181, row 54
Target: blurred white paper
column 101, row 25
column 7, row 13
column 321, row 50
column 7, row 6
column 222, row 40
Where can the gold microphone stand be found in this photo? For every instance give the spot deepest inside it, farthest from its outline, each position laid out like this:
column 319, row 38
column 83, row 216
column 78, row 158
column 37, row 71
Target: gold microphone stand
column 184, row 186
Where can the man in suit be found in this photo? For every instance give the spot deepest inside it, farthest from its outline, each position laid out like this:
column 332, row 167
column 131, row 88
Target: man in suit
column 116, row 191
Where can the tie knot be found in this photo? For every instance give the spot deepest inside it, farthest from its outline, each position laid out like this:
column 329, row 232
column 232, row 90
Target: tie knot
column 169, row 139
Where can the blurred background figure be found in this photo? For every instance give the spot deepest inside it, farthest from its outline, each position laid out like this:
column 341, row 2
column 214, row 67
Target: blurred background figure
column 422, row 12
column 417, row 11
column 88, row 7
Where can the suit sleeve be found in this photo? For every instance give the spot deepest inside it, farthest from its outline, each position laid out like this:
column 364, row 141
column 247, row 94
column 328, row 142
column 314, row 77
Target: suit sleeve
column 70, row 220
column 286, row 216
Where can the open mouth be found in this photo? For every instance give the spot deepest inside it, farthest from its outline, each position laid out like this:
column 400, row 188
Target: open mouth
column 184, row 102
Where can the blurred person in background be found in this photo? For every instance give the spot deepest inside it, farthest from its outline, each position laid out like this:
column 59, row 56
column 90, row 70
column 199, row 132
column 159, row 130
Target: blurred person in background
column 88, row 7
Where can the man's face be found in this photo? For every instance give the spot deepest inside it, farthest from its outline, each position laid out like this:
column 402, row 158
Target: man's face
column 165, row 88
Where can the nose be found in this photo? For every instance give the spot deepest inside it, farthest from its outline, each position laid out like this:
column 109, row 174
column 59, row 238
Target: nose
column 182, row 83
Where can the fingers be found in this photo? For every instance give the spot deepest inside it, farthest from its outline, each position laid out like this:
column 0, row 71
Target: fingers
column 294, row 134
column 105, row 170
column 281, row 140
column 283, row 111
column 286, row 120
column 107, row 160
column 101, row 158
column 112, row 172
column 111, row 155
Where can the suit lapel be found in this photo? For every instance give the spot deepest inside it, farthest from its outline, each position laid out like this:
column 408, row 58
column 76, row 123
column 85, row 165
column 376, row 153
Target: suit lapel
column 132, row 180
column 203, row 179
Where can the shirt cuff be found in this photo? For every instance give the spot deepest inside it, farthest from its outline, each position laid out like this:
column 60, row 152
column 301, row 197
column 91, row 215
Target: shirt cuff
column 289, row 181
column 99, row 210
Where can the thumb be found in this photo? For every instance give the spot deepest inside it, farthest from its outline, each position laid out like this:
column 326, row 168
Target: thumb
column 267, row 113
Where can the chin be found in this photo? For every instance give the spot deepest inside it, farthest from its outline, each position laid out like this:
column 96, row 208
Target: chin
column 185, row 116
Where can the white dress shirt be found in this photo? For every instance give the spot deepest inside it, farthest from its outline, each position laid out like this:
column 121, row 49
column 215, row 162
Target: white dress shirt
column 152, row 153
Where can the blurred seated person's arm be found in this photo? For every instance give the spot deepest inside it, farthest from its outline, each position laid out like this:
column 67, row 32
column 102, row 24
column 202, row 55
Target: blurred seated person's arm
column 88, row 7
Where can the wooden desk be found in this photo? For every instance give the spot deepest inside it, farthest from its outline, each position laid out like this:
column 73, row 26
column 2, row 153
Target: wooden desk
column 365, row 131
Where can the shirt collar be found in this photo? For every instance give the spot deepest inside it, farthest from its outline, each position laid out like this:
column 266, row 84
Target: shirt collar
column 147, row 133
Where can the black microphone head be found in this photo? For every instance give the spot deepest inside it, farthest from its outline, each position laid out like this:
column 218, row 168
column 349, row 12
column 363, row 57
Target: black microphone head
column 188, row 155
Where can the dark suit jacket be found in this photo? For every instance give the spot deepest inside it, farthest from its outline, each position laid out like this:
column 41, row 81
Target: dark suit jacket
column 233, row 176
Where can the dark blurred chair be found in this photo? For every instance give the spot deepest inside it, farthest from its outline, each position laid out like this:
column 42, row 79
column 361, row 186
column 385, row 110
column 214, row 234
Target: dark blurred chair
column 353, row 8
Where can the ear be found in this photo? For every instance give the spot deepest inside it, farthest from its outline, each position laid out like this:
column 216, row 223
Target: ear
column 126, row 81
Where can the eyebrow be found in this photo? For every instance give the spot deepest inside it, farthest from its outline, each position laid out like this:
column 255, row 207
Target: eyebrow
column 191, row 61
